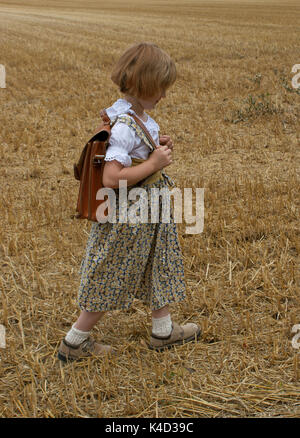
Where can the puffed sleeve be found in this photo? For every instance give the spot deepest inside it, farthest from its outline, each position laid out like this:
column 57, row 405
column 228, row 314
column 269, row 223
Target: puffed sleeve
column 121, row 143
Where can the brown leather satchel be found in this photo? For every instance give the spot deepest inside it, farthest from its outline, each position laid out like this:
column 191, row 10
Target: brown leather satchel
column 89, row 169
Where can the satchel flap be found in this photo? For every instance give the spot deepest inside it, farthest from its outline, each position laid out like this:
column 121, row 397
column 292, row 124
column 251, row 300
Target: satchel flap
column 101, row 135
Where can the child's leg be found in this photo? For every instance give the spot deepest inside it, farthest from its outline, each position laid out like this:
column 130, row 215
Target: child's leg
column 80, row 331
column 87, row 320
column 160, row 313
column 166, row 333
column 78, row 343
column 161, row 322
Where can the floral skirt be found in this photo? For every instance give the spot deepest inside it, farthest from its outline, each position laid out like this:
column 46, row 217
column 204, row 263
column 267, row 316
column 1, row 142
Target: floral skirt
column 126, row 261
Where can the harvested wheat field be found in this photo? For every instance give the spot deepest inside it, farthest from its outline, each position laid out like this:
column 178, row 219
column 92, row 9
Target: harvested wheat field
column 233, row 115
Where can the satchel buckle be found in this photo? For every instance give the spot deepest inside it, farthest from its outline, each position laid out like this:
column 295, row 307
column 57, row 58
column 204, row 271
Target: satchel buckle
column 97, row 159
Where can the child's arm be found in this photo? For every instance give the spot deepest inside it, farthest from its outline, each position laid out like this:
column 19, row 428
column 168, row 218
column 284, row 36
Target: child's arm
column 114, row 171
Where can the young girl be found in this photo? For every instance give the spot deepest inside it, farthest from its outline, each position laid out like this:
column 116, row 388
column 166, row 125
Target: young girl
column 126, row 261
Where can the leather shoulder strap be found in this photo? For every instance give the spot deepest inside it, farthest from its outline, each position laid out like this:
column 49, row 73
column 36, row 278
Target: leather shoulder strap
column 107, row 121
column 147, row 133
column 104, row 117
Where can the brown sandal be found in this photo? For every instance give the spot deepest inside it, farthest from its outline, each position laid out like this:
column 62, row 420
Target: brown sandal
column 89, row 347
column 179, row 335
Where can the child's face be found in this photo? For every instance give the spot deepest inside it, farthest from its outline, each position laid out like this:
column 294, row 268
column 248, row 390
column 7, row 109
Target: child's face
column 150, row 102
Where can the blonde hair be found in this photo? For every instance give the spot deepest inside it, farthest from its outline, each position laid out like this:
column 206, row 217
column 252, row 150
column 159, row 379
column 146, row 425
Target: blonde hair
column 144, row 70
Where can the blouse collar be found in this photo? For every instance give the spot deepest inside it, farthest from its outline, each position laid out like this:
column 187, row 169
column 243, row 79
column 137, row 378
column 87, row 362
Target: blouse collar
column 122, row 106
column 119, row 107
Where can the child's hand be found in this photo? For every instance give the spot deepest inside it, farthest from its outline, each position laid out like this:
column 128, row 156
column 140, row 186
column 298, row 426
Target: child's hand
column 165, row 140
column 161, row 157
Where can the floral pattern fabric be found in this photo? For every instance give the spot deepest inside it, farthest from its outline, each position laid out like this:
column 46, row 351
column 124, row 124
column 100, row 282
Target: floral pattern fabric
column 126, row 261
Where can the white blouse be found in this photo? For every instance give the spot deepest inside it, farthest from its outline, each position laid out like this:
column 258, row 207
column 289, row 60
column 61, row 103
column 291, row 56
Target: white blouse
column 124, row 143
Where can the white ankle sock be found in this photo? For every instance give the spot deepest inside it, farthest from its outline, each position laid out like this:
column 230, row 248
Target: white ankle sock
column 75, row 336
column 162, row 326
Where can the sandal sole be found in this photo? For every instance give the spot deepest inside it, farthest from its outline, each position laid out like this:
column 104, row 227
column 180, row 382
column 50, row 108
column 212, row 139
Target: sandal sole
column 65, row 359
column 180, row 342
